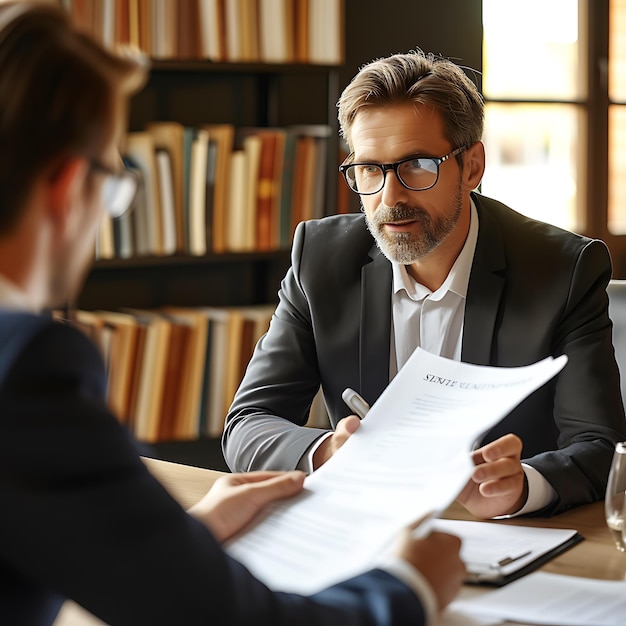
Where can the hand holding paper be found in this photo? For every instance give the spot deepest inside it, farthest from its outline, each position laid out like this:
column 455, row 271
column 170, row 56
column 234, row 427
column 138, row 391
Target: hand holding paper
column 409, row 456
column 498, row 483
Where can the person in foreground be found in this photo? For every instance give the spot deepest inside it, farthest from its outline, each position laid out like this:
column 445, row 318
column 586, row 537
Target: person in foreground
column 82, row 518
column 431, row 263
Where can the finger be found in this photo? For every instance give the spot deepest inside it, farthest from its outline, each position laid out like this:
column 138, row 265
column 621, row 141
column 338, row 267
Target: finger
column 253, row 477
column 497, row 470
column 283, row 486
column 507, row 446
column 502, row 487
column 347, row 425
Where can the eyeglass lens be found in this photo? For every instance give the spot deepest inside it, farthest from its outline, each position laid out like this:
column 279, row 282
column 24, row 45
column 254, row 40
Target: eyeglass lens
column 416, row 174
column 118, row 193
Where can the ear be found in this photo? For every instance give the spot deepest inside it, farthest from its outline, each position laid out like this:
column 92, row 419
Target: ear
column 473, row 165
column 64, row 186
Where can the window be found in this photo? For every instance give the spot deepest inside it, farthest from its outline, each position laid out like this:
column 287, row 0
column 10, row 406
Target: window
column 554, row 80
column 534, row 86
column 617, row 118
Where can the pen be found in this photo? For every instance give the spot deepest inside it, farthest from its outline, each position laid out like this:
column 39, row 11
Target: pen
column 476, row 567
column 355, row 402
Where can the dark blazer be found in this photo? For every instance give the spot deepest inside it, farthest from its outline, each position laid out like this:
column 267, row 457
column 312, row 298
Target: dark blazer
column 534, row 291
column 82, row 518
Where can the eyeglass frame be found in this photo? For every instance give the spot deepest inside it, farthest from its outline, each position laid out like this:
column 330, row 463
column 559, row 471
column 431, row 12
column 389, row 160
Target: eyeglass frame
column 385, row 167
column 123, row 173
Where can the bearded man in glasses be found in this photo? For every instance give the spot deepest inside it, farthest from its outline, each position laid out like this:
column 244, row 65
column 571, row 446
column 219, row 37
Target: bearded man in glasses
column 82, row 518
column 432, row 263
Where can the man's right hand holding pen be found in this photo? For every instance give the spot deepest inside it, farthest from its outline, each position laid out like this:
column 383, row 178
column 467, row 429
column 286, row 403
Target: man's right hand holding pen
column 498, row 466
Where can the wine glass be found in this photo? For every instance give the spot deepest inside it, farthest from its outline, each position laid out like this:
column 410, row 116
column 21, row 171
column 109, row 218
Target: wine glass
column 615, row 491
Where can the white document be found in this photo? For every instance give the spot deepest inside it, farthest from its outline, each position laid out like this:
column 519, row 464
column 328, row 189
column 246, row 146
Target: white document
column 552, row 600
column 410, row 457
column 493, row 552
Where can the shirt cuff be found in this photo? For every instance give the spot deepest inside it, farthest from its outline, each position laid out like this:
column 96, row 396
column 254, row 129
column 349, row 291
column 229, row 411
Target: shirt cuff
column 305, row 464
column 413, row 579
column 540, row 493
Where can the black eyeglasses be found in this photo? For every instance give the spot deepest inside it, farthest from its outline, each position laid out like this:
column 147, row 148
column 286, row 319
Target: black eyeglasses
column 416, row 173
column 119, row 188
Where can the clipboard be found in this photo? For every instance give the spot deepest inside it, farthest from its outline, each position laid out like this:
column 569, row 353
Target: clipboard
column 497, row 553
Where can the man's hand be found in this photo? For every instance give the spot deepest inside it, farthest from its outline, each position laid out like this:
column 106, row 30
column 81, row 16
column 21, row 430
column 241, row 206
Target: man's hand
column 498, row 484
column 236, row 499
column 437, row 558
column 330, row 445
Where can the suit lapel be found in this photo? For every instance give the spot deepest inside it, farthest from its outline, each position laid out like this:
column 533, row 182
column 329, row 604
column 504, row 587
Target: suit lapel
column 484, row 291
column 375, row 327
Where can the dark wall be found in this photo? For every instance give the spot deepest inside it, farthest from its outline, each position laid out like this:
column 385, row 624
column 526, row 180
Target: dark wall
column 376, row 28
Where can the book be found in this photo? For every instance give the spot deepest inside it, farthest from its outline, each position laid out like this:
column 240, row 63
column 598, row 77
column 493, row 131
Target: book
column 165, row 176
column 287, row 193
column 212, row 34
column 187, row 425
column 151, row 374
column 215, row 373
column 168, row 136
column 122, row 21
column 140, row 149
column 325, row 32
column 241, row 219
column 224, row 135
column 249, row 29
column 134, row 38
column 164, row 29
column 197, row 193
column 105, row 243
column 188, row 32
column 252, row 147
column 232, row 360
column 145, row 17
column 174, row 391
column 236, row 218
column 123, row 234
column 303, row 181
column 120, row 376
column 136, row 370
column 234, row 35
column 209, row 196
column 276, row 31
column 301, row 27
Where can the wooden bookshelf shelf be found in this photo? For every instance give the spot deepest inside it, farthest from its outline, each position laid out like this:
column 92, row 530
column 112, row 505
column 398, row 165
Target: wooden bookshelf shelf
column 213, row 280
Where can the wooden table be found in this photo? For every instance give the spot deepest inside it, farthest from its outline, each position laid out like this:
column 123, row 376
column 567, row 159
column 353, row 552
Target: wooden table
column 596, row 557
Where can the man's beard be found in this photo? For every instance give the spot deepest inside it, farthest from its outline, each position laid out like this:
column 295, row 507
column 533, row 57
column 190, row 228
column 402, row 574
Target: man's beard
column 406, row 248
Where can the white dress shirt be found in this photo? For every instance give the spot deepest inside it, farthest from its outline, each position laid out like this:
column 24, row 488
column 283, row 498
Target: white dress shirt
column 434, row 321
column 12, row 297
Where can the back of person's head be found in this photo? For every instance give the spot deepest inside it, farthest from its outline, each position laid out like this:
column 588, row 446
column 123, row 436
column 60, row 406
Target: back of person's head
column 418, row 78
column 61, row 95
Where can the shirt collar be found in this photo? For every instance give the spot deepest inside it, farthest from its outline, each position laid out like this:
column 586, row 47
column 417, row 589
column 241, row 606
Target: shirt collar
column 12, row 297
column 458, row 277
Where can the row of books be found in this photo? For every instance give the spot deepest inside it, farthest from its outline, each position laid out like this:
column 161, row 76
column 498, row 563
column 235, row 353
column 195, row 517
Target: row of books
column 217, row 188
column 267, row 31
column 173, row 372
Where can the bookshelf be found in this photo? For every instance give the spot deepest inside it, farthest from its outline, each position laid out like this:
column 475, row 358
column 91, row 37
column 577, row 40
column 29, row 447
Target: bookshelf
column 195, row 92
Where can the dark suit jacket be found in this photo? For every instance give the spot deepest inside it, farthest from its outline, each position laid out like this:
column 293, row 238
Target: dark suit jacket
column 82, row 518
column 534, row 291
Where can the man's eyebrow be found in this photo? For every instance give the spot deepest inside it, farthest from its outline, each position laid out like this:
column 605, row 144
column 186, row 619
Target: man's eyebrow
column 410, row 155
